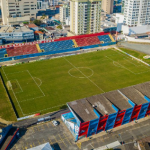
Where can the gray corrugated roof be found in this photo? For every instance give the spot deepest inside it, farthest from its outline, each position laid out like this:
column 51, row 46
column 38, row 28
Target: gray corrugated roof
column 83, row 110
column 144, row 88
column 102, row 105
column 118, row 100
column 134, row 95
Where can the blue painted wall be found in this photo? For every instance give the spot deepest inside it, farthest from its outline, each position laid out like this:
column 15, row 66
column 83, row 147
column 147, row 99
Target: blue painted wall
column 143, row 110
column 111, row 121
column 93, row 127
column 127, row 116
column 77, row 119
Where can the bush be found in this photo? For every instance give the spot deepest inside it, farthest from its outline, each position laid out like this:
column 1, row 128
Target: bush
column 37, row 22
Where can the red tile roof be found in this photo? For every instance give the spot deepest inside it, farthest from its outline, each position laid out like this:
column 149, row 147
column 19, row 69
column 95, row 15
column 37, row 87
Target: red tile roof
column 32, row 26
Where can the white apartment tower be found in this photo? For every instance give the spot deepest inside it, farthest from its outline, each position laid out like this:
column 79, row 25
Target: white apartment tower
column 85, row 16
column 136, row 12
column 17, row 11
column 64, row 12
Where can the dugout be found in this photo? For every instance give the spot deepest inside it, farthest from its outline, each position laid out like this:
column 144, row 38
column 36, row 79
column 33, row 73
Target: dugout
column 105, row 111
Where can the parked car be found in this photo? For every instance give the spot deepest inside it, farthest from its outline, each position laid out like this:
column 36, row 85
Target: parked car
column 55, row 123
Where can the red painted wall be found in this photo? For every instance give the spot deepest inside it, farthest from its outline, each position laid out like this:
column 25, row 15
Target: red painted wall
column 136, row 112
column 84, row 128
column 102, row 123
column 119, row 118
column 148, row 111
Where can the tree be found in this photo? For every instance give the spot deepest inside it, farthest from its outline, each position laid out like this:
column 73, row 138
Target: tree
column 37, row 22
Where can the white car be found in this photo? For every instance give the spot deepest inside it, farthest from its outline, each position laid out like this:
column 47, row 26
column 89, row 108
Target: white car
column 55, row 123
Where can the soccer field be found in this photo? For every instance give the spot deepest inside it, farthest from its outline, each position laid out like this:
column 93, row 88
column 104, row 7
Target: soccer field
column 47, row 85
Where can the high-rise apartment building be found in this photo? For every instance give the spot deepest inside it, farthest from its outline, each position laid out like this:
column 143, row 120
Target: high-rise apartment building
column 53, row 2
column 42, row 4
column 64, row 12
column 136, row 12
column 107, row 6
column 17, row 11
column 85, row 16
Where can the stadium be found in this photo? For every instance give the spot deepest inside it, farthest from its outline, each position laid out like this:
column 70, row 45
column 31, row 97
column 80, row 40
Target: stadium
column 48, row 85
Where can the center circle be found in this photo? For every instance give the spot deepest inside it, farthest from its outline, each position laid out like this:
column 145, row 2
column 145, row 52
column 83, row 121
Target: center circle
column 81, row 72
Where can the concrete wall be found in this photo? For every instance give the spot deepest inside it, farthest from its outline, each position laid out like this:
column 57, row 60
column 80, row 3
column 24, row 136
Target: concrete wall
column 135, row 30
column 132, row 39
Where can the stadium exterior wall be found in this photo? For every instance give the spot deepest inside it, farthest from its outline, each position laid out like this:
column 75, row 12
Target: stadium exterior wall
column 107, row 122
column 53, row 52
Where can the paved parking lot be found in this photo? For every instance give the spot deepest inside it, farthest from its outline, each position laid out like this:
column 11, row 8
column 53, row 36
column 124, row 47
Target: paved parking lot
column 145, row 48
column 59, row 137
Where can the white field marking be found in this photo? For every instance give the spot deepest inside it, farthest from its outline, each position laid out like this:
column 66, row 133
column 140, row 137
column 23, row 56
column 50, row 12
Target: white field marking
column 39, row 80
column 17, row 101
column 16, row 72
column 19, row 86
column 14, row 94
column 142, row 64
column 132, row 56
column 44, row 109
column 125, row 67
column 120, row 65
column 92, row 72
column 132, row 62
column 4, row 73
column 36, row 83
column 30, row 99
column 84, row 75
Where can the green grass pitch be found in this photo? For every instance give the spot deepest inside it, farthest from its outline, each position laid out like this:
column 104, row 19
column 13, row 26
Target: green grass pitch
column 47, row 85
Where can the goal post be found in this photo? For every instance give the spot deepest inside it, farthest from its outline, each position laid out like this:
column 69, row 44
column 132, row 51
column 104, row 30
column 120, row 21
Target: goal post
column 9, row 85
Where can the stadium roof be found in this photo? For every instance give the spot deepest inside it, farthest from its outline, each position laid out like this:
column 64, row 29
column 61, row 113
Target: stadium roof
column 136, row 96
column 102, row 105
column 84, row 108
column 144, row 88
column 118, row 100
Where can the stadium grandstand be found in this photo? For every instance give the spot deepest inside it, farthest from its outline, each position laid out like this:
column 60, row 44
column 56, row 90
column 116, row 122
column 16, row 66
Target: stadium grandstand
column 91, row 115
column 61, row 45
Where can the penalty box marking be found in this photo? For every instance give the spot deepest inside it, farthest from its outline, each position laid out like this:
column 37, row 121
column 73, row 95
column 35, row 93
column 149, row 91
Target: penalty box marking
column 21, row 88
column 125, row 67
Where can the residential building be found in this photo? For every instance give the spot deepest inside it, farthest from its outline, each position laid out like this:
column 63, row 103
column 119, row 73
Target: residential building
column 53, row 2
column 33, row 27
column 17, row 11
column 85, row 16
column 38, row 35
column 12, row 34
column 64, row 12
column 136, row 12
column 42, row 4
column 107, row 6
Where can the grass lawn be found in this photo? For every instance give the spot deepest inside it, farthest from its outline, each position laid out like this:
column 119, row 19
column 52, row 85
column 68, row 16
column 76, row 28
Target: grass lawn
column 6, row 110
column 47, row 85
column 136, row 54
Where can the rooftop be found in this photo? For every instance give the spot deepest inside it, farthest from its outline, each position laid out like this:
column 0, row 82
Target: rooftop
column 32, row 25
column 144, row 88
column 13, row 29
column 102, row 105
column 83, row 110
column 135, row 96
column 118, row 99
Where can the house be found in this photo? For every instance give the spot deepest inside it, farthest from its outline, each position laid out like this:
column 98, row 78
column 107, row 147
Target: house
column 38, row 35
column 33, row 27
